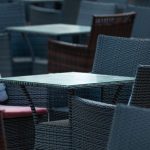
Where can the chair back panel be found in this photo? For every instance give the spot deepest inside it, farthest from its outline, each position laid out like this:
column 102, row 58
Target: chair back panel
column 141, row 89
column 120, row 55
column 130, row 129
column 91, row 123
column 115, row 25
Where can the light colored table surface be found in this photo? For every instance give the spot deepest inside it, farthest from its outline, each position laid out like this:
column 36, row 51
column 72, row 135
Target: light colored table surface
column 52, row 29
column 68, row 79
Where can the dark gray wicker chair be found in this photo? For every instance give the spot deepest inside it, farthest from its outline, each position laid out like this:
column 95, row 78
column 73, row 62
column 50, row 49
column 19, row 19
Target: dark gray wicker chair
column 5, row 56
column 120, row 56
column 91, row 124
column 58, row 134
column 130, row 129
column 141, row 90
column 19, row 130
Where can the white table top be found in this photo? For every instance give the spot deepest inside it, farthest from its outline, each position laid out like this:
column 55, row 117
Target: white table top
column 52, row 29
column 68, row 79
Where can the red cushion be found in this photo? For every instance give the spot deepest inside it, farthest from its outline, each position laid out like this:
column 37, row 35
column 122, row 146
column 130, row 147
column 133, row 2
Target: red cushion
column 20, row 111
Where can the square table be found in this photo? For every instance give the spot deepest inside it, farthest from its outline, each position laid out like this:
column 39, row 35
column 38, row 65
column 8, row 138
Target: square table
column 53, row 30
column 68, row 80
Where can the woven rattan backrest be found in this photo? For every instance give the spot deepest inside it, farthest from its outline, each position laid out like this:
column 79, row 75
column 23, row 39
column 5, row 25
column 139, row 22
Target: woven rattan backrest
column 91, row 123
column 2, row 133
column 120, row 55
column 11, row 14
column 130, row 129
column 141, row 90
column 115, row 25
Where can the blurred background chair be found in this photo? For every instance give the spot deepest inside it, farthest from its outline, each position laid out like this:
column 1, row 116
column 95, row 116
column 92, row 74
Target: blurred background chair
column 43, row 15
column 142, row 22
column 72, row 57
column 130, row 129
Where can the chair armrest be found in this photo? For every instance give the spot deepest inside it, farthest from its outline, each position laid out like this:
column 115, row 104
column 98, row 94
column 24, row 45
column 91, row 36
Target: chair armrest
column 63, row 56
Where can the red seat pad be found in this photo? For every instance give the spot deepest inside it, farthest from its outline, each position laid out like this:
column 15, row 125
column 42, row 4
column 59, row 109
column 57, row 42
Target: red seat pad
column 20, row 111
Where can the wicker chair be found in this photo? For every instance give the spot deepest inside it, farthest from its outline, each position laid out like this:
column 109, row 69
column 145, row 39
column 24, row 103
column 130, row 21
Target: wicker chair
column 72, row 57
column 91, row 124
column 14, row 16
column 141, row 91
column 18, row 119
column 43, row 15
column 142, row 23
column 58, row 134
column 130, row 129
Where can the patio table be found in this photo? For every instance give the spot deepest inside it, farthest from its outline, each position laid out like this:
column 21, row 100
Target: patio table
column 52, row 30
column 69, row 80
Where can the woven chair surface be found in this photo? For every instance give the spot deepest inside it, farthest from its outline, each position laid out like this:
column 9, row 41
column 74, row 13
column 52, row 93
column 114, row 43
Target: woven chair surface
column 141, row 91
column 130, row 129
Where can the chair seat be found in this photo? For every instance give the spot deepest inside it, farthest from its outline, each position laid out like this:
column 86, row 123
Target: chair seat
column 20, row 111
